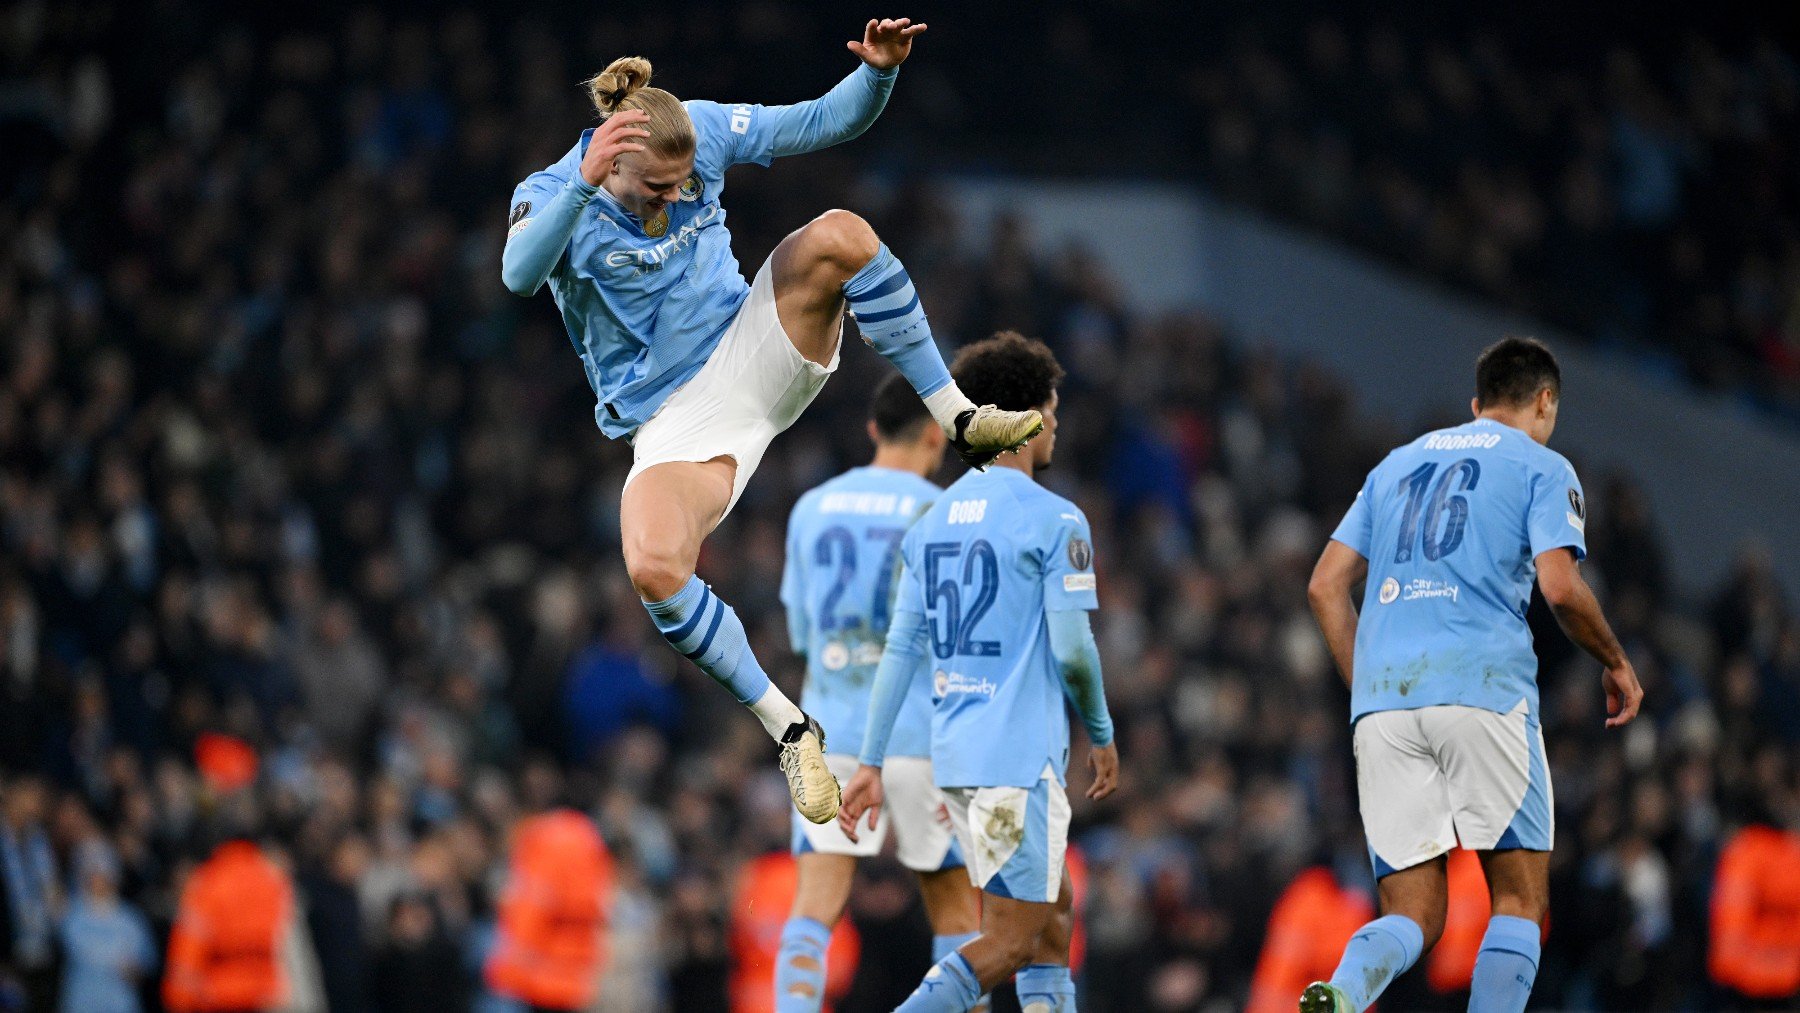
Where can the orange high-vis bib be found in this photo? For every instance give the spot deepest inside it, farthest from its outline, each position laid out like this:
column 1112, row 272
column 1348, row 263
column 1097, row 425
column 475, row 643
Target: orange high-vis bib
column 551, row 940
column 1755, row 947
column 225, row 948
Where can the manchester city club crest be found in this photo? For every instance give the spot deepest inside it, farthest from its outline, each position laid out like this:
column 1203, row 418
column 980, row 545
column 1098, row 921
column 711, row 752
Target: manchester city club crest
column 693, row 188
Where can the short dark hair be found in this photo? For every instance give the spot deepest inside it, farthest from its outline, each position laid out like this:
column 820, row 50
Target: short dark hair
column 1512, row 370
column 897, row 411
column 1009, row 371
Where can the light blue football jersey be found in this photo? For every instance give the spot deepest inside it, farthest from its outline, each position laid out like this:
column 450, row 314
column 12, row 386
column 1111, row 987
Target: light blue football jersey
column 843, row 559
column 1452, row 525
column 986, row 562
column 644, row 312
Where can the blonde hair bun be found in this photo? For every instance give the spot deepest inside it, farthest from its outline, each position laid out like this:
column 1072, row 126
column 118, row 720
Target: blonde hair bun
column 621, row 79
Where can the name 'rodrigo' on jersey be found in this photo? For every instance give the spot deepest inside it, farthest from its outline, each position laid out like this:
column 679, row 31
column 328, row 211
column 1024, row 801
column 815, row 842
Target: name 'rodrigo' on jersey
column 984, row 565
column 843, row 559
column 1452, row 525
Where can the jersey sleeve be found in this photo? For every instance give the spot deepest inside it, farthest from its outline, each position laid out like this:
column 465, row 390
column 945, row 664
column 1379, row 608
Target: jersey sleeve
column 1068, row 554
column 730, row 135
column 536, row 190
column 735, row 134
column 793, row 583
column 1557, row 517
column 1357, row 529
column 911, row 594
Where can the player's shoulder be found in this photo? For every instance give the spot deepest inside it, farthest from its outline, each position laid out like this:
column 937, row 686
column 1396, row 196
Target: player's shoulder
column 715, row 123
column 558, row 172
column 1550, row 462
column 808, row 503
column 1044, row 512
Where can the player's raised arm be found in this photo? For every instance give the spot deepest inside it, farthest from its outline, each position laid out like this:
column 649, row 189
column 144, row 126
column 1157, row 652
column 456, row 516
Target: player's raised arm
column 1578, row 613
column 843, row 113
column 1330, row 592
column 537, row 237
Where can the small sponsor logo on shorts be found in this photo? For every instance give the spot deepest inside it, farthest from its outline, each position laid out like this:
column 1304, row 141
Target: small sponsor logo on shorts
column 1390, row 590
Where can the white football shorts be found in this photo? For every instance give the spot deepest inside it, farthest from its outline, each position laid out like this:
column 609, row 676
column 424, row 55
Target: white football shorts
column 1014, row 840
column 1435, row 776
column 912, row 804
column 754, row 385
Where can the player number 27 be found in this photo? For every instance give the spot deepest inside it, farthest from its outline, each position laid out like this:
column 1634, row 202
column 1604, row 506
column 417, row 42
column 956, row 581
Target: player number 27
column 836, row 548
column 953, row 625
column 1446, row 516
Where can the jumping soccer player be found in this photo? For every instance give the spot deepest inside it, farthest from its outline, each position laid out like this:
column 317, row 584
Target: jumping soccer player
column 843, row 555
column 696, row 368
column 1449, row 531
column 998, row 583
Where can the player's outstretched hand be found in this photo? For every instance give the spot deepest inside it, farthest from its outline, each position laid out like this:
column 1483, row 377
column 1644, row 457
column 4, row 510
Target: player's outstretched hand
column 610, row 140
column 886, row 43
column 1623, row 694
column 1104, row 762
column 862, row 794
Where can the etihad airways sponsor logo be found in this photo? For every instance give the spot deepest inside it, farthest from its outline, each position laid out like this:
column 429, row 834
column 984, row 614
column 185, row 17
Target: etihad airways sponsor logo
column 651, row 257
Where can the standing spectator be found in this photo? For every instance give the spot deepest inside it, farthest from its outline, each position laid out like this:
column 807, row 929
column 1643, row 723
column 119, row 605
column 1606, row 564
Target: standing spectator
column 335, row 918
column 551, row 944
column 31, row 901
column 419, row 969
column 106, row 941
column 225, row 948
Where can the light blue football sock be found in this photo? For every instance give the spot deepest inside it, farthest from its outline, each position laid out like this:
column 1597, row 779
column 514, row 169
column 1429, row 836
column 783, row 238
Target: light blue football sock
column 1046, row 988
column 800, row 966
column 949, row 987
column 943, row 946
column 891, row 319
column 703, row 628
column 1380, row 951
column 1506, row 966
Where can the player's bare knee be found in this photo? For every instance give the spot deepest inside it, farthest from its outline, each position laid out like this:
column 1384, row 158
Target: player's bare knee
column 656, row 572
column 840, row 239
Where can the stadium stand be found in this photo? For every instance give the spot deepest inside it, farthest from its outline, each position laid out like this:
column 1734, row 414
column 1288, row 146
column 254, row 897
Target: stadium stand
column 280, row 460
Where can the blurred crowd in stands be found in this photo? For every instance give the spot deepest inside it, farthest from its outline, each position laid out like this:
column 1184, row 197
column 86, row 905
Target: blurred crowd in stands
column 283, row 466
